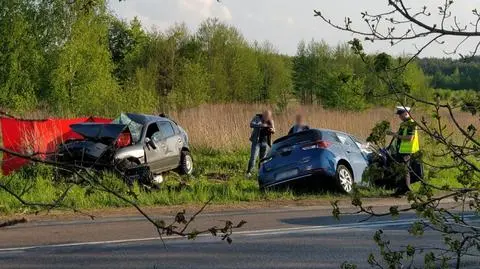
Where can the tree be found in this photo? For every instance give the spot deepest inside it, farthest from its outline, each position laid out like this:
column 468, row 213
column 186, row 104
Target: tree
column 191, row 86
column 400, row 23
column 310, row 70
column 300, row 78
column 456, row 74
column 20, row 56
column 276, row 73
column 330, row 77
column 83, row 73
column 122, row 42
column 344, row 86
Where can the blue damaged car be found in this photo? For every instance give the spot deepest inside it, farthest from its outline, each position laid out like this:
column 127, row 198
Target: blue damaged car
column 318, row 155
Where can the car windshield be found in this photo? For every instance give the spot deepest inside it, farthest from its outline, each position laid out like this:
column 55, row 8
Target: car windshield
column 134, row 127
column 364, row 147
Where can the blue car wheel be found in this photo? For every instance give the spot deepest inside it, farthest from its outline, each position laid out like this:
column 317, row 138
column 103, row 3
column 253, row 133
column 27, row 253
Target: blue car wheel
column 344, row 178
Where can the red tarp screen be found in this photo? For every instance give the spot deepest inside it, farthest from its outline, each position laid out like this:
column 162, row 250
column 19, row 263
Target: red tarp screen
column 35, row 136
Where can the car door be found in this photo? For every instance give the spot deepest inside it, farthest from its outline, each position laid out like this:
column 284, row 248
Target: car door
column 173, row 142
column 156, row 151
column 354, row 155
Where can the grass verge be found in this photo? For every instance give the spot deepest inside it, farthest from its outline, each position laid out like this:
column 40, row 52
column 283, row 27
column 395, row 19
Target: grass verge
column 218, row 174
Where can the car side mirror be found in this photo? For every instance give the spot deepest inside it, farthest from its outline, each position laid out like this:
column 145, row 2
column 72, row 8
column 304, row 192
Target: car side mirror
column 150, row 143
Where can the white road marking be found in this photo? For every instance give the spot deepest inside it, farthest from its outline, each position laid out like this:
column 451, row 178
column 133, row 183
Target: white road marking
column 82, row 244
column 331, row 228
column 264, row 232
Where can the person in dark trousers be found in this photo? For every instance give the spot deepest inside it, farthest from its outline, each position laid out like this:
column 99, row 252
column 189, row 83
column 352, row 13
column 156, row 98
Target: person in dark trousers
column 262, row 129
column 405, row 143
column 299, row 126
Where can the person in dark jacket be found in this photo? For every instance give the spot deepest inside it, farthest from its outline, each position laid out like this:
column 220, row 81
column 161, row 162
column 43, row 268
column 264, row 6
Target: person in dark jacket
column 262, row 129
column 299, row 126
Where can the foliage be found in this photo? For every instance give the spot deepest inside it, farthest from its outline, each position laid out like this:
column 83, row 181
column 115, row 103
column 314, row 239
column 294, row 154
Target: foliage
column 77, row 59
column 338, row 78
column 83, row 72
column 455, row 74
column 378, row 136
column 20, row 56
column 191, row 89
column 458, row 232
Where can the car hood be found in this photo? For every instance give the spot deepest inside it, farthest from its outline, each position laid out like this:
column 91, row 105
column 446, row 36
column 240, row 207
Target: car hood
column 105, row 132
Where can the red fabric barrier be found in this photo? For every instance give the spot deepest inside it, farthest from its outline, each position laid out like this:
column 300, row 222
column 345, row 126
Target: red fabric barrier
column 35, row 136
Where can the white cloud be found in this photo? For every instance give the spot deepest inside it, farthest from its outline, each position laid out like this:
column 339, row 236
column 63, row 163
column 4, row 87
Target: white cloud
column 226, row 13
column 202, row 7
column 206, row 9
column 290, row 21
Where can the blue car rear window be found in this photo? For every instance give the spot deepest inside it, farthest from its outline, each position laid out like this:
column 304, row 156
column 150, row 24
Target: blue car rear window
column 298, row 138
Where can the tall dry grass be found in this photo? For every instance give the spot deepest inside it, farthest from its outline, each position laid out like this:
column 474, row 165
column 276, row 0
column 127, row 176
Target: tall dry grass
column 226, row 126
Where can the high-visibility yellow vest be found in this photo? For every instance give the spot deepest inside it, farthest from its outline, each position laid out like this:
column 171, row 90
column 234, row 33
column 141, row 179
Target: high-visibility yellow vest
column 409, row 146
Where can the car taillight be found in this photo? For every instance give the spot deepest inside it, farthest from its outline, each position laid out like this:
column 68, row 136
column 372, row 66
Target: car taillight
column 124, row 140
column 317, row 145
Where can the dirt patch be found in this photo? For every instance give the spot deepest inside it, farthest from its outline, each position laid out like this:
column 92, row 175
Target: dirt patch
column 324, row 204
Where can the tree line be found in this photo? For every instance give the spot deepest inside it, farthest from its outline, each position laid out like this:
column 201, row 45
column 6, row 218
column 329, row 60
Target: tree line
column 67, row 59
column 455, row 74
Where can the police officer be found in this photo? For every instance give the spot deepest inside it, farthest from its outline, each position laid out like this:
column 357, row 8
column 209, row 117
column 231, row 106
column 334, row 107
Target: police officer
column 405, row 143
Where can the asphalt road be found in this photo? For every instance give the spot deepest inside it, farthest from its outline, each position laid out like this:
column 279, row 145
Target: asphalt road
column 306, row 237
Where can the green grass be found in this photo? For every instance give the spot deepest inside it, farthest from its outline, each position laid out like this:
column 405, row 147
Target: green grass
column 436, row 174
column 217, row 174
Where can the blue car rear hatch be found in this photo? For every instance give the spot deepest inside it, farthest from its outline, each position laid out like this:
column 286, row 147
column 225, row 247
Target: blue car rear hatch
column 291, row 152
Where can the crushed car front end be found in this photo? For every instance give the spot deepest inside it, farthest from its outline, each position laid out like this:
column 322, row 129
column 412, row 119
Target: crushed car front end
column 98, row 146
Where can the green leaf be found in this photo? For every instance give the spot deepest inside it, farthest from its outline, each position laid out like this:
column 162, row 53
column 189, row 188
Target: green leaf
column 394, row 211
column 410, row 251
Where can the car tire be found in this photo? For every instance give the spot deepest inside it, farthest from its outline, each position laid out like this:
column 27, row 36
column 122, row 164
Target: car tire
column 122, row 167
column 186, row 163
column 145, row 176
column 404, row 186
column 262, row 189
column 125, row 165
column 344, row 179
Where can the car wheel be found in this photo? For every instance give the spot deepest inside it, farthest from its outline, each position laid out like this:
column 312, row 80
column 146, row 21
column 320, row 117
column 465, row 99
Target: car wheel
column 262, row 189
column 125, row 165
column 404, row 186
column 186, row 163
column 344, row 179
column 127, row 168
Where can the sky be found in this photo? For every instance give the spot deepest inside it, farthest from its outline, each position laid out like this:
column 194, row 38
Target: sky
column 286, row 22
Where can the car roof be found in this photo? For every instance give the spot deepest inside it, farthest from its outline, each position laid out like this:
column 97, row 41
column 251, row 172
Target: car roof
column 340, row 132
column 145, row 119
column 334, row 131
column 328, row 130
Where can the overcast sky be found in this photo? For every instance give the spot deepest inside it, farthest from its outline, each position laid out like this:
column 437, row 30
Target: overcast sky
column 283, row 22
